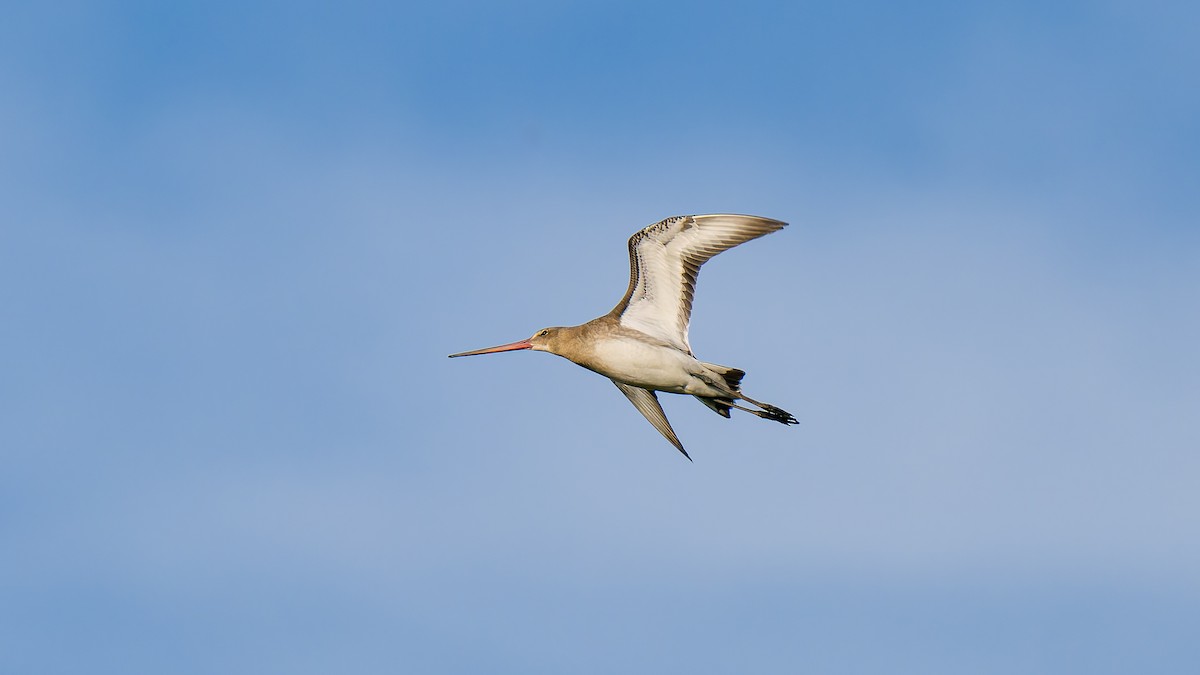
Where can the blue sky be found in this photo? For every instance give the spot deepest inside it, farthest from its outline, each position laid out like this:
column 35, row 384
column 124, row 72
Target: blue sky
column 239, row 241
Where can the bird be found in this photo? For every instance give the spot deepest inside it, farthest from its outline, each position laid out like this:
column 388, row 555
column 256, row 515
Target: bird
column 642, row 344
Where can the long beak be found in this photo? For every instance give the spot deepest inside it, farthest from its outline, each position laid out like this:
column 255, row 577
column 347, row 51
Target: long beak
column 522, row 344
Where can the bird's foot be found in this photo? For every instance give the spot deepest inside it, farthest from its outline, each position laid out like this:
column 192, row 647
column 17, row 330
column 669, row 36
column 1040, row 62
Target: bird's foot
column 780, row 415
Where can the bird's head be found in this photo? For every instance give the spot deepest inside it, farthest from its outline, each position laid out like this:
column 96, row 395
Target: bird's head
column 548, row 339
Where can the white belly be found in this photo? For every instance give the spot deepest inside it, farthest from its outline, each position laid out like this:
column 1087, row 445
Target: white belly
column 649, row 366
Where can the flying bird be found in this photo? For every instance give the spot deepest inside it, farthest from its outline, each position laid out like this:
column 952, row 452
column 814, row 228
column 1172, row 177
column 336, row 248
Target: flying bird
column 642, row 344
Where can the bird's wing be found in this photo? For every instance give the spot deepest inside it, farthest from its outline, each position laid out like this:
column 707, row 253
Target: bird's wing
column 664, row 261
column 647, row 404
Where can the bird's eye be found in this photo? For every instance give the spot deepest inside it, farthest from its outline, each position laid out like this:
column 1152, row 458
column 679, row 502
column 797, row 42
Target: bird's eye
column 544, row 333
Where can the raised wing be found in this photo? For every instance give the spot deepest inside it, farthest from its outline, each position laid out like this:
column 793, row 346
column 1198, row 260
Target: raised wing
column 647, row 404
column 664, row 261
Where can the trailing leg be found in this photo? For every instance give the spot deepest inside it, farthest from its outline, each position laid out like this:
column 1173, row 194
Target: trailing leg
column 769, row 412
column 721, row 406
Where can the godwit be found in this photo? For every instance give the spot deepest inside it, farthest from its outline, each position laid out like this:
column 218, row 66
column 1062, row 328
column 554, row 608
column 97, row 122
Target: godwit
column 642, row 344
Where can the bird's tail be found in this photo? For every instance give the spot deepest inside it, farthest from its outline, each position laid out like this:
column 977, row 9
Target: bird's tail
column 732, row 376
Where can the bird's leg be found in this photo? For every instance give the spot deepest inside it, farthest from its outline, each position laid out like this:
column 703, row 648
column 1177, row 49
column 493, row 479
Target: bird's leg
column 768, row 412
column 752, row 411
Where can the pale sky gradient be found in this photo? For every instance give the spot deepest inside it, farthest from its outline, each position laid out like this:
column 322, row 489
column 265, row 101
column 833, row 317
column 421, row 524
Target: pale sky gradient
column 239, row 241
